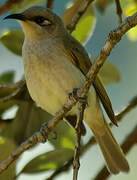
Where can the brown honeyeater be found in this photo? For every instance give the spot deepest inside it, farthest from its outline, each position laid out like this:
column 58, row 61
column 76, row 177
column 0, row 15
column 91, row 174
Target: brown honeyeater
column 54, row 64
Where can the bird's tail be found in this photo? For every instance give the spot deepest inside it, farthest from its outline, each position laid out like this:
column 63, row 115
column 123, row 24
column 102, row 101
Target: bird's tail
column 112, row 152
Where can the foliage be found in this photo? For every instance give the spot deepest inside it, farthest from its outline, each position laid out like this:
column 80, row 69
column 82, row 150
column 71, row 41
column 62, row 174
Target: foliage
column 129, row 9
column 8, row 37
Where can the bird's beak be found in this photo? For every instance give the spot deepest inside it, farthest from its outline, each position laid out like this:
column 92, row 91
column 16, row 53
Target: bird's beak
column 16, row 16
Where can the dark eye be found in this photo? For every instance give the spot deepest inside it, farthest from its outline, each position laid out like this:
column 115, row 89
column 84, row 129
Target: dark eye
column 42, row 21
column 39, row 19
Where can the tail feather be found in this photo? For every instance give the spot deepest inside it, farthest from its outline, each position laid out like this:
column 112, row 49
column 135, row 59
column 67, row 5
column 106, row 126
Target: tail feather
column 110, row 163
column 112, row 152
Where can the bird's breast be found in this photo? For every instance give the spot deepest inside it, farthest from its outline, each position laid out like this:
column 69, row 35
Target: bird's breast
column 50, row 75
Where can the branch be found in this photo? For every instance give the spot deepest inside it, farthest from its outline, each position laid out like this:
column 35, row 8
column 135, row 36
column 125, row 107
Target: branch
column 92, row 141
column 119, row 10
column 50, row 4
column 76, row 162
column 24, row 146
column 8, row 5
column 10, row 87
column 113, row 38
column 128, row 108
column 11, row 90
column 126, row 146
column 83, row 7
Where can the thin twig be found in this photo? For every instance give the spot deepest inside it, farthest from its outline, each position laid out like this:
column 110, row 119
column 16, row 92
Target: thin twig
column 113, row 39
column 71, row 26
column 92, row 140
column 23, row 147
column 62, row 169
column 127, row 108
column 76, row 162
column 11, row 86
column 8, row 5
column 126, row 146
column 119, row 10
column 50, row 4
column 38, row 136
column 68, row 164
column 15, row 89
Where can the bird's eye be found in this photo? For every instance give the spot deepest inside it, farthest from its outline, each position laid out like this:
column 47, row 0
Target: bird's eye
column 42, row 21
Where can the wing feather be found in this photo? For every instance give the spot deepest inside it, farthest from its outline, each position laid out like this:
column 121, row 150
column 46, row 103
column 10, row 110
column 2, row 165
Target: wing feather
column 81, row 60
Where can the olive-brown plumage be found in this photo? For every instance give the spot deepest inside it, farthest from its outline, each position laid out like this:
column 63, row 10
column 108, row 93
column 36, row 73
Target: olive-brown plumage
column 54, row 64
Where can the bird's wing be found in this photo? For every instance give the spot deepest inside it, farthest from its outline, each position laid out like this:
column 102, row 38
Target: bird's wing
column 80, row 59
column 101, row 91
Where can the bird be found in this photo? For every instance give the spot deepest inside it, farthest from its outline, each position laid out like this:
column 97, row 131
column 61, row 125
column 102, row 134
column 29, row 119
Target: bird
column 54, row 65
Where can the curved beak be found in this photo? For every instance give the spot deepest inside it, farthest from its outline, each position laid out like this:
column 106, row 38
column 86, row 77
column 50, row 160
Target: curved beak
column 16, row 16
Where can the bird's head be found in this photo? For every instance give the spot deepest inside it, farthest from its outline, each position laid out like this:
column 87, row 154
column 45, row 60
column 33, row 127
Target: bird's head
column 39, row 22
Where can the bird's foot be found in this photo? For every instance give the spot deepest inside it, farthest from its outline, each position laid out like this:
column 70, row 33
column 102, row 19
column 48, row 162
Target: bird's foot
column 43, row 130
column 75, row 94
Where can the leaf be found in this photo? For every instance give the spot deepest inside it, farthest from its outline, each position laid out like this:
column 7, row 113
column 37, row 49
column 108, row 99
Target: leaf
column 6, row 147
column 129, row 7
column 65, row 136
column 85, row 26
column 71, row 10
column 13, row 40
column 48, row 161
column 132, row 34
column 18, row 7
column 28, row 120
column 7, row 77
column 109, row 73
column 129, row 10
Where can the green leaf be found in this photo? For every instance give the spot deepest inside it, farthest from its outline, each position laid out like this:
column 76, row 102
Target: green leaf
column 85, row 26
column 13, row 40
column 129, row 9
column 6, row 147
column 28, row 120
column 7, row 77
column 48, row 161
column 65, row 136
column 132, row 34
column 109, row 73
column 127, row 3
column 18, row 7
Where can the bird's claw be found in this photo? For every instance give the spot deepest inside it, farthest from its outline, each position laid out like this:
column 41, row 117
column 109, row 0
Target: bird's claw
column 75, row 94
column 43, row 131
